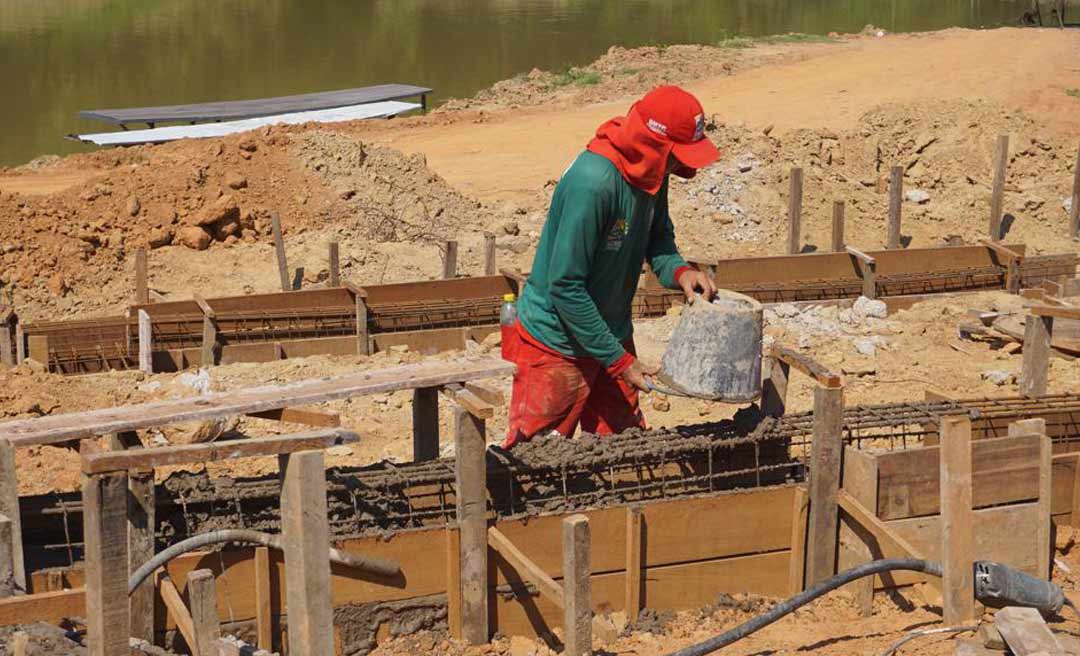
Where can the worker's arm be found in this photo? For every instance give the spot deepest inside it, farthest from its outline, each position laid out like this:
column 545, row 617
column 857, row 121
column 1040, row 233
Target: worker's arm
column 664, row 258
column 582, row 214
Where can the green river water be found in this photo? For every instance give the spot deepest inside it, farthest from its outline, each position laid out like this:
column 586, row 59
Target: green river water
column 60, row 56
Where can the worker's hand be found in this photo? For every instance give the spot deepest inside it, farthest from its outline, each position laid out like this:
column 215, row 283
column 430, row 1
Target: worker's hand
column 635, row 374
column 693, row 280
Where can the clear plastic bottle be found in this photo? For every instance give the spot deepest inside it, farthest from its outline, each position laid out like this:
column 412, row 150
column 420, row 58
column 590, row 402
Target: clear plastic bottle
column 507, row 319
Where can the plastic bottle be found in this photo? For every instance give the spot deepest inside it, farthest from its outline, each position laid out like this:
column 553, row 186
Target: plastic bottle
column 507, row 319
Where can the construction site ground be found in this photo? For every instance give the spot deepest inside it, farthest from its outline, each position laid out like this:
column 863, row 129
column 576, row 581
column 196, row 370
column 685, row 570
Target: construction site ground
column 390, row 192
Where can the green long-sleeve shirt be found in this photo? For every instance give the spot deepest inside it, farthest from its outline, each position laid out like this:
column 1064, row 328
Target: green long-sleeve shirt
column 599, row 231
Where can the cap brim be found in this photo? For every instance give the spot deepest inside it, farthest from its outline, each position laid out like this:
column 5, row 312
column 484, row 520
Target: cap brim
column 696, row 155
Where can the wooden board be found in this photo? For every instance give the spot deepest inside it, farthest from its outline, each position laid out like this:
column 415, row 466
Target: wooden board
column 428, row 290
column 60, row 428
column 1004, row 470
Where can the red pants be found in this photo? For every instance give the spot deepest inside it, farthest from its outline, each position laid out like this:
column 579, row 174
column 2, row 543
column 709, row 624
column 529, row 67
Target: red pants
column 556, row 392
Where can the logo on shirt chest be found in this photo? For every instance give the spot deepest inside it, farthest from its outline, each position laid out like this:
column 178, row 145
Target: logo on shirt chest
column 615, row 235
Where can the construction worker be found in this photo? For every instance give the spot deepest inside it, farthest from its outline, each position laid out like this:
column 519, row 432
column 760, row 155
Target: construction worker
column 573, row 340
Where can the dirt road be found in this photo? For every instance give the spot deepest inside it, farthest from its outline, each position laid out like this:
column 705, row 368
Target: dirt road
column 513, row 153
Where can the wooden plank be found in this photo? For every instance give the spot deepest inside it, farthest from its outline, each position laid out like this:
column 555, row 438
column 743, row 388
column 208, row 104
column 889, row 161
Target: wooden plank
column 860, row 483
column 111, row 461
column 9, row 507
column 797, row 564
column 306, row 531
column 489, row 254
column 1025, row 632
column 20, row 344
column 795, row 191
column 279, row 249
column 142, row 522
column 957, row 521
column 7, row 560
column 453, row 582
column 471, row 478
column 335, row 265
column 425, row 416
column 146, row 343
column 204, row 306
column 1035, row 369
column 867, row 267
column 488, row 394
column 363, row 338
column 837, row 245
column 577, row 613
column 305, row 416
column 1004, row 470
column 1037, row 427
column 38, row 346
column 7, row 341
column 896, row 200
column 774, row 387
column 1058, row 311
column 805, row 364
column 635, row 563
column 450, row 260
column 825, row 457
column 178, row 612
column 51, row 607
column 997, row 193
column 142, row 287
column 1074, row 211
column 108, row 624
column 470, row 401
column 526, row 569
column 264, row 627
column 207, row 353
column 20, row 643
column 202, row 598
column 65, row 427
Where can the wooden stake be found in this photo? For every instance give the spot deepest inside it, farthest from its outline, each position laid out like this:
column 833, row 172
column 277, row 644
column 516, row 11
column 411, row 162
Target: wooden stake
column 335, row 267
column 108, row 622
column 1035, row 370
column 896, row 200
column 425, row 415
column 202, row 599
column 279, row 246
column 20, row 643
column 209, row 342
column 20, row 344
column 489, row 254
column 170, row 596
column 825, row 458
column 577, row 613
column 450, row 262
column 264, row 630
column 146, row 343
column 142, row 521
column 838, row 226
column 7, row 343
column 799, row 517
column 9, row 507
column 306, row 531
column 1074, row 211
column 997, row 194
column 363, row 342
column 471, row 488
column 142, row 286
column 795, row 189
column 774, row 388
column 1038, row 427
column 7, row 559
column 957, row 521
column 867, row 270
column 635, row 563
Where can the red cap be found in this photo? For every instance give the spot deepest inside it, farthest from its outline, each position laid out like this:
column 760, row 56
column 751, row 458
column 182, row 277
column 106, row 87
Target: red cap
column 674, row 114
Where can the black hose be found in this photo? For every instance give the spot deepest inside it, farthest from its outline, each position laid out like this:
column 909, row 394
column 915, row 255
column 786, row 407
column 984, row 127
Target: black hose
column 813, row 592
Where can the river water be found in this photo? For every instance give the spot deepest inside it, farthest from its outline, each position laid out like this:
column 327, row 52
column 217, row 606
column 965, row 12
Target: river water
column 60, row 56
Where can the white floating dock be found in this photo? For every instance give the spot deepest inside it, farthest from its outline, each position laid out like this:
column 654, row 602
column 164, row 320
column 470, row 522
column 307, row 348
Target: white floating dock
column 206, row 130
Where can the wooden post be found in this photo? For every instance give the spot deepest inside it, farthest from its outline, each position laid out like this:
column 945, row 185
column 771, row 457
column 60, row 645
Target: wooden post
column 825, row 458
column 202, row 600
column 7, row 343
column 306, row 531
column 425, row 416
column 363, row 341
column 142, row 286
column 896, row 201
column 1035, row 370
column 279, row 246
column 209, row 342
column 471, row 488
column 799, row 518
column 7, row 558
column 997, row 194
column 1045, row 549
column 9, row 507
column 957, row 521
column 20, row 344
column 774, row 387
column 335, row 265
column 146, row 343
column 142, row 522
column 635, row 563
column 795, row 189
column 450, row 261
column 838, row 226
column 20, row 643
column 264, row 631
column 577, row 611
column 108, row 622
column 1074, row 210
column 489, row 254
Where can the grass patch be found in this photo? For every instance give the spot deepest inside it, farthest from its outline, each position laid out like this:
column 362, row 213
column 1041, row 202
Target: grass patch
column 736, row 41
column 578, row 76
column 629, row 70
column 1074, row 93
